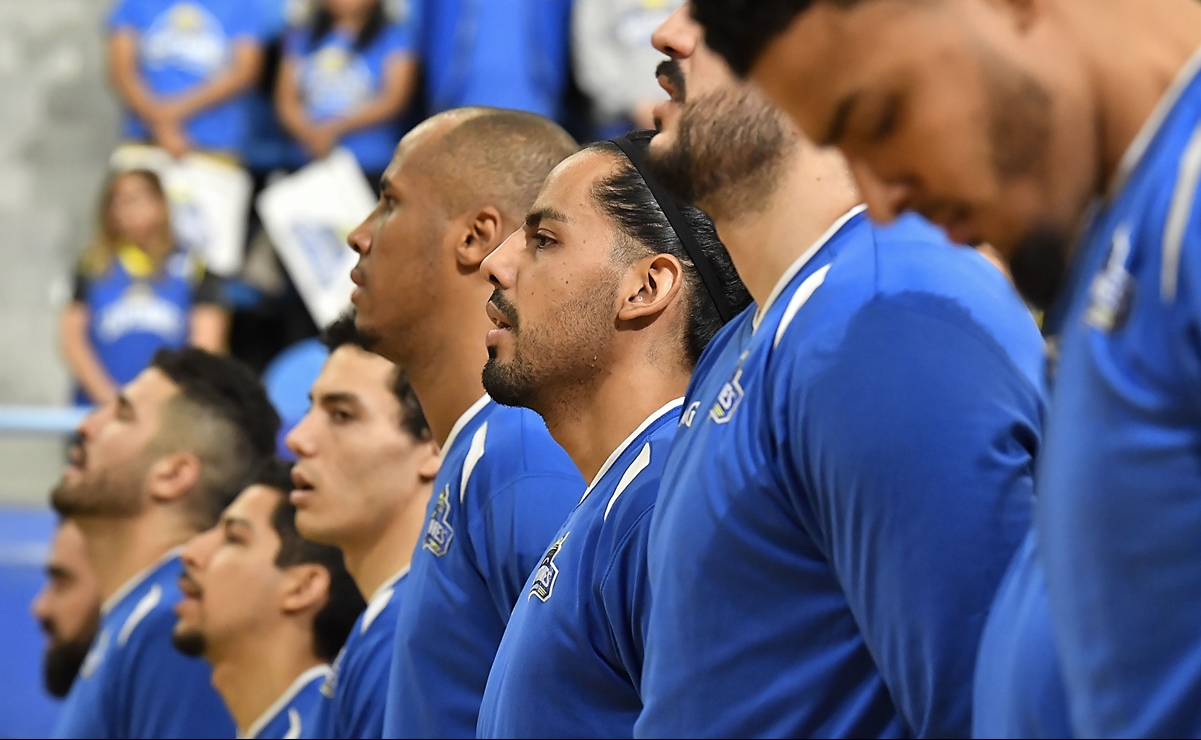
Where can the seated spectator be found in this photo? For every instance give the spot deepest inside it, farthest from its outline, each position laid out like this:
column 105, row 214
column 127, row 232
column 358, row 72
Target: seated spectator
column 500, row 53
column 182, row 68
column 67, row 608
column 345, row 79
column 136, row 293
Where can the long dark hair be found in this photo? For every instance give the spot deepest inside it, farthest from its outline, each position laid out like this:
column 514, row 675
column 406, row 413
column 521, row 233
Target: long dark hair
column 324, row 22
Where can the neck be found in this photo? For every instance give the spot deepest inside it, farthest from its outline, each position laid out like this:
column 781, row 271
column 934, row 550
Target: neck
column 764, row 244
column 373, row 560
column 120, row 548
column 590, row 423
column 253, row 676
column 1134, row 52
column 352, row 23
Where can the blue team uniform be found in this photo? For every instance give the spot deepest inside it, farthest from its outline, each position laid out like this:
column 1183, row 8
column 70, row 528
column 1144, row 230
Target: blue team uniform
column 295, row 714
column 851, row 478
column 570, row 663
column 134, row 683
column 336, row 79
column 356, row 692
column 503, row 490
column 185, row 43
column 1119, row 506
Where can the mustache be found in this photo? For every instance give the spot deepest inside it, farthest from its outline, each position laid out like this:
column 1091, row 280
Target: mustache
column 671, row 70
column 506, row 309
column 188, row 584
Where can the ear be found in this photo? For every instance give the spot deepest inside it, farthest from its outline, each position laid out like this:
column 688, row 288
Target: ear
column 484, row 233
column 1023, row 13
column 170, row 478
column 650, row 285
column 306, row 587
column 430, row 462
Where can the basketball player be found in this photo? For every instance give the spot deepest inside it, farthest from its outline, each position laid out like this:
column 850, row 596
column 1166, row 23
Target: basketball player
column 67, row 608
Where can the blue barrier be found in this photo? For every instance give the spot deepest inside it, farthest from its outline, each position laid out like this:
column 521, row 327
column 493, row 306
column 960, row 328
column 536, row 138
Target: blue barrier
column 41, row 420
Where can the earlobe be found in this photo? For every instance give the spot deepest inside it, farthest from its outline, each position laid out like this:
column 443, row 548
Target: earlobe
column 431, row 463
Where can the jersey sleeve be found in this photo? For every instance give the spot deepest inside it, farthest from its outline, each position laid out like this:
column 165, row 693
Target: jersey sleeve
column 247, row 22
column 400, row 38
column 912, row 448
column 168, row 695
column 209, row 291
column 363, row 686
column 79, row 286
column 625, row 594
column 126, row 15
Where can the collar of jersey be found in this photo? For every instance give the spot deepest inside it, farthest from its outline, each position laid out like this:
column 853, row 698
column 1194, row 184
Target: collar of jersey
column 1138, row 147
column 465, row 419
column 138, row 580
column 803, row 260
column 135, row 260
column 322, row 671
column 390, row 583
column 668, row 407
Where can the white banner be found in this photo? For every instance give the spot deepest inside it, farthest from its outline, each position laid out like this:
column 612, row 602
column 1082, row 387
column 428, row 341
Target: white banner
column 210, row 201
column 308, row 216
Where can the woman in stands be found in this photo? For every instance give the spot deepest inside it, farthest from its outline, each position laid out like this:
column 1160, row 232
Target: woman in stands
column 135, row 292
column 345, row 80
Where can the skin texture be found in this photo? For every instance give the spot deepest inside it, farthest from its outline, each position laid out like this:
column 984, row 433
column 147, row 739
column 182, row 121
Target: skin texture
column 588, row 338
column 67, row 608
column 252, row 620
column 362, row 481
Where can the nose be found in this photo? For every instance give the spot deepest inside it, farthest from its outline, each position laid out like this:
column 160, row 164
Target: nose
column 196, row 551
column 40, row 608
column 500, row 267
column 885, row 199
column 360, row 239
column 299, row 441
column 677, row 36
column 89, row 427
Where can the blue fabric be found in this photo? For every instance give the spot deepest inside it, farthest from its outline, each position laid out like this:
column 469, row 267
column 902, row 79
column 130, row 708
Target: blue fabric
column 185, row 43
column 1019, row 688
column 837, row 511
column 335, row 80
column 503, row 53
column 356, row 693
column 134, row 683
column 300, row 716
column 1119, row 510
column 503, row 490
column 574, row 645
column 288, row 380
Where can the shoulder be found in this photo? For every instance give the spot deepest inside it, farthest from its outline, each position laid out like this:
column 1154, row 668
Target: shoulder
column 396, row 36
column 296, row 41
column 514, row 443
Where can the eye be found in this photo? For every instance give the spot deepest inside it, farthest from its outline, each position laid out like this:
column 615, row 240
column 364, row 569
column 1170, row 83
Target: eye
column 542, row 241
column 886, row 122
column 340, row 416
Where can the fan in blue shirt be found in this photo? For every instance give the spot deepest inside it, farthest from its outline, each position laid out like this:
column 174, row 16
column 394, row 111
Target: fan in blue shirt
column 854, row 469
column 136, row 484
column 460, row 183
column 182, row 68
column 267, row 608
column 607, row 374
column 365, row 465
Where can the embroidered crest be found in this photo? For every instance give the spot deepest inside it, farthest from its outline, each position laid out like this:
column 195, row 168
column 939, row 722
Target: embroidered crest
column 730, row 396
column 547, row 573
column 439, row 534
column 1112, row 291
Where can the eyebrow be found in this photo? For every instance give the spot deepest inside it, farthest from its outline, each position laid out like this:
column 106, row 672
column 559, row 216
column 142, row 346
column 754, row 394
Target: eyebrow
column 57, row 571
column 338, row 397
column 838, row 125
column 236, row 521
column 545, row 214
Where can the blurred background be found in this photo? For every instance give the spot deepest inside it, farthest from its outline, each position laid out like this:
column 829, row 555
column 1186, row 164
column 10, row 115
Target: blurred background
column 227, row 117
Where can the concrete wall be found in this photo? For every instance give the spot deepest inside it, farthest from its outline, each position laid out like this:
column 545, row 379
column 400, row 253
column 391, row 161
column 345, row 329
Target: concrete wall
column 58, row 122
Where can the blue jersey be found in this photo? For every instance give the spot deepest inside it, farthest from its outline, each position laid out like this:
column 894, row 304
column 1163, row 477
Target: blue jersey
column 1119, row 507
column 134, row 683
column 574, row 645
column 185, row 43
column 851, row 478
column 502, row 53
column 1019, row 686
column 335, row 80
column 502, row 492
column 295, row 714
column 356, row 692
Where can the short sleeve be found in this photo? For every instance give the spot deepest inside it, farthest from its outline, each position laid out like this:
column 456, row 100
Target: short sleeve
column 296, row 43
column 246, row 21
column 126, row 15
column 912, row 445
column 209, row 291
column 79, row 286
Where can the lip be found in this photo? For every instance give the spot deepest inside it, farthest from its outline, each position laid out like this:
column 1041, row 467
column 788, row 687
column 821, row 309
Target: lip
column 355, row 294
column 189, row 589
column 357, row 277
column 304, row 491
column 498, row 319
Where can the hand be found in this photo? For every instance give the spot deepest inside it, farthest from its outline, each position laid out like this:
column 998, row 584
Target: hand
column 320, row 140
column 172, row 138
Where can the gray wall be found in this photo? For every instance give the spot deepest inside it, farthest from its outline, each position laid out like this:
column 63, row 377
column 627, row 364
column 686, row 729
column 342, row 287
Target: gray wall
column 58, row 122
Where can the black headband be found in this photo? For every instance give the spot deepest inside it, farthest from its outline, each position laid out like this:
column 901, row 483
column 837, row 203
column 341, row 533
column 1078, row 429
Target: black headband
column 704, row 268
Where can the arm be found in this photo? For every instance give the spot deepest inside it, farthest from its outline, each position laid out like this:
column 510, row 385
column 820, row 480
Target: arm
column 81, row 357
column 166, row 129
column 290, row 109
column 239, row 77
column 912, row 454
column 396, row 90
column 209, row 328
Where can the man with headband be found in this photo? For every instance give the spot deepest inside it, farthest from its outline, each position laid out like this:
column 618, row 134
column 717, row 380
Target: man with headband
column 604, row 302
column 854, row 471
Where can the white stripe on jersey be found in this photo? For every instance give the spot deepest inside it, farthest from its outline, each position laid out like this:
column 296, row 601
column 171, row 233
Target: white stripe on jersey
column 474, row 453
column 1179, row 216
column 632, row 472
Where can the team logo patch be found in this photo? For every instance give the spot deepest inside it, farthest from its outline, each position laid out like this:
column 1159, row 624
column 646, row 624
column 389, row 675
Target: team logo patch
column 730, row 397
column 547, row 574
column 439, row 534
column 1112, row 291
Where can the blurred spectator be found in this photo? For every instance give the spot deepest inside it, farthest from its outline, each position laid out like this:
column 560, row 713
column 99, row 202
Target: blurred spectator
column 135, row 293
column 182, row 68
column 67, row 608
column 345, row 79
column 615, row 62
column 503, row 53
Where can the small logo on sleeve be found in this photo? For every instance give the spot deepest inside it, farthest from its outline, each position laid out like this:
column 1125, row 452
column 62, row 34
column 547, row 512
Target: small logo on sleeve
column 1112, row 291
column 730, row 397
column 439, row 534
column 547, row 573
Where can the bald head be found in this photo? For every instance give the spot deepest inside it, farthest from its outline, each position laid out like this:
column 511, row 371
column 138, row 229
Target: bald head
column 476, row 157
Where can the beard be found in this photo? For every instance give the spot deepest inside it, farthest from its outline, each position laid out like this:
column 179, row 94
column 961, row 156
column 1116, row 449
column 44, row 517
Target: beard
column 730, row 150
column 190, row 642
column 62, row 661
column 106, row 493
